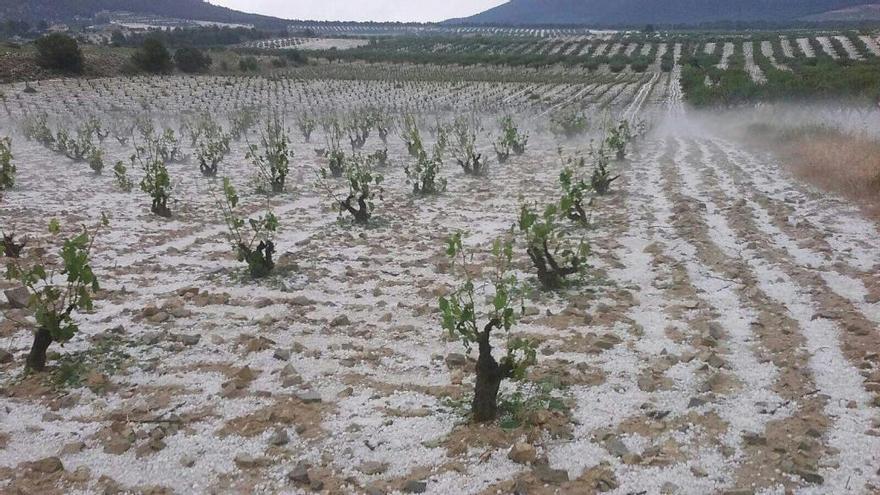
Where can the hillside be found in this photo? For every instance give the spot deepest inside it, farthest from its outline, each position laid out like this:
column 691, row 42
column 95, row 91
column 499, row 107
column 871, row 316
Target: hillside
column 63, row 10
column 634, row 12
column 859, row 13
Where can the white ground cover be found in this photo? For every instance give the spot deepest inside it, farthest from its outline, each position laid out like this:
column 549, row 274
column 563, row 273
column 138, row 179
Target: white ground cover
column 388, row 399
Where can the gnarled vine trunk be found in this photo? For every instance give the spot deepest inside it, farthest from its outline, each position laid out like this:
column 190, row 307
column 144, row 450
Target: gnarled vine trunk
column 36, row 359
column 361, row 214
column 550, row 274
column 160, row 207
column 489, row 377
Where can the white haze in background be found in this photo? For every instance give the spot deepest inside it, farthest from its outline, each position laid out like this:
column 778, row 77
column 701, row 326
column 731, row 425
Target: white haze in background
column 362, row 10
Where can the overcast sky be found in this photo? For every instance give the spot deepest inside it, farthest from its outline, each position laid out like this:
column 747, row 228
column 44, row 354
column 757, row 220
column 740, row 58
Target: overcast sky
column 362, row 10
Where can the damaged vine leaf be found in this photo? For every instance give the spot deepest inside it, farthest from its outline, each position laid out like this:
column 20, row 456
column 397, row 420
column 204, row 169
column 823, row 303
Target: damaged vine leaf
column 574, row 189
column 252, row 240
column 306, row 125
column 459, row 317
column 602, row 178
column 11, row 248
column 364, row 188
column 272, row 156
column 333, row 152
column 464, row 149
column 411, row 136
column 56, row 296
column 554, row 255
column 424, row 175
column 120, row 175
column 7, row 168
column 569, row 123
column 511, row 140
column 212, row 149
column 618, row 139
column 156, row 182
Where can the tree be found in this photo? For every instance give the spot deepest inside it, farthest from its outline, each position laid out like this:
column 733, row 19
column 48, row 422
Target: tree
column 152, row 57
column 117, row 38
column 192, row 60
column 60, row 52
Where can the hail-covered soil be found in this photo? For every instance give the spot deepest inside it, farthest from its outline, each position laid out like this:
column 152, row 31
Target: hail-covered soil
column 725, row 341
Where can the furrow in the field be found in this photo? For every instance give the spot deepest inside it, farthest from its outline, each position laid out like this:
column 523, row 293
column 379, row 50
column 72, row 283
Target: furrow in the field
column 767, row 51
column 727, row 51
column 822, row 232
column 851, row 51
column 845, row 281
column 872, row 44
column 641, row 97
column 778, row 338
column 754, row 71
column 838, row 224
column 833, row 352
column 805, row 47
column 735, row 317
column 787, row 49
column 827, row 47
column 644, row 373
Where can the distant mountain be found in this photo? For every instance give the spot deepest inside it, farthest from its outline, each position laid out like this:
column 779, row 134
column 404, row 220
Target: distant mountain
column 65, row 10
column 869, row 12
column 637, row 12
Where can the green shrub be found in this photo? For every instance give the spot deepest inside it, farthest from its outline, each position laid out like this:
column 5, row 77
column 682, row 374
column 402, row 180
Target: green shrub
column 152, row 57
column 248, row 64
column 59, row 52
column 192, row 60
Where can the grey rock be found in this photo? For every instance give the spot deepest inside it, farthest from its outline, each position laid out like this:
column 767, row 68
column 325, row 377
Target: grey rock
column 810, row 476
column 279, row 437
column 301, row 301
column 456, row 360
column 117, row 445
column 300, row 474
column 189, row 339
column 372, row 467
column 415, row 486
column 187, row 461
column 309, row 396
column 48, row 465
column 616, row 447
column 73, row 448
column 281, row 354
column 18, row 298
column 669, row 488
column 549, row 475
column 339, row 321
